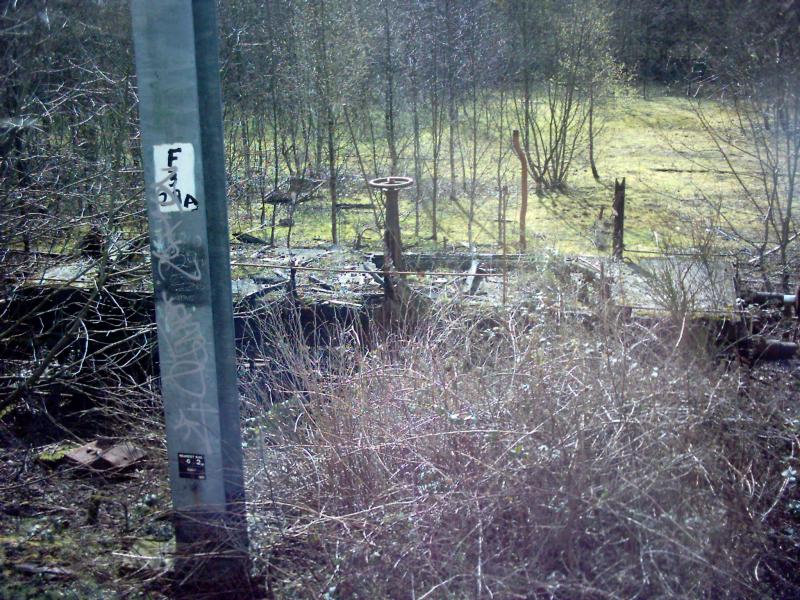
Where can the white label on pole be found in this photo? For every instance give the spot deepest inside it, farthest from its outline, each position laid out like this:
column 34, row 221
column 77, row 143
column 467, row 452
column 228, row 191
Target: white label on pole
column 174, row 174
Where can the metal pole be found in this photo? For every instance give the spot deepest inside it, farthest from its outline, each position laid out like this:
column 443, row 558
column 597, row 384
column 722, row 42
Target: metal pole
column 394, row 298
column 394, row 245
column 180, row 110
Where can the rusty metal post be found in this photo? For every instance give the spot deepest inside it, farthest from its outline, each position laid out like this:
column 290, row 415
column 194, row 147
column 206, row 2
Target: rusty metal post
column 392, row 243
column 523, row 185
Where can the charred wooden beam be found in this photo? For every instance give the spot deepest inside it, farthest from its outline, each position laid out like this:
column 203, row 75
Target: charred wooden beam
column 619, row 219
column 762, row 348
column 247, row 238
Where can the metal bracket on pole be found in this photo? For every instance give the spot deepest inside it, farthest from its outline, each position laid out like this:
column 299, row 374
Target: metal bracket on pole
column 180, row 107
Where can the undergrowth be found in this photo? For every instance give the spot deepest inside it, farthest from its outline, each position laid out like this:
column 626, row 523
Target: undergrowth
column 516, row 455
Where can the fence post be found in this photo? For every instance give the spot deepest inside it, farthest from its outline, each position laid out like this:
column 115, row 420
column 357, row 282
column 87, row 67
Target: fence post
column 523, row 184
column 619, row 219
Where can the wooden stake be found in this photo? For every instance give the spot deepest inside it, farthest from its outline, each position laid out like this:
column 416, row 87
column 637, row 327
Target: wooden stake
column 523, row 184
column 619, row 219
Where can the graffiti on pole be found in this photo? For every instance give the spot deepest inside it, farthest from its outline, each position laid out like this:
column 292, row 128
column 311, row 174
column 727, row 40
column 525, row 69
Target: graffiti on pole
column 179, row 265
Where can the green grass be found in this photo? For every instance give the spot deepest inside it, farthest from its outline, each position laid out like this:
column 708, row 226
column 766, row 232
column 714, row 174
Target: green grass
column 672, row 170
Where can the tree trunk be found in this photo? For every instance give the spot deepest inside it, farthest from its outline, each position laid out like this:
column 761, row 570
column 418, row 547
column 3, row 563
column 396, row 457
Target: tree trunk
column 436, row 134
column 417, row 164
column 332, row 176
column 592, row 163
column 452, row 114
column 390, row 133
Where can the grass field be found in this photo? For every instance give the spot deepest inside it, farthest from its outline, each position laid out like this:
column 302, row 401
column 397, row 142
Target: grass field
column 675, row 177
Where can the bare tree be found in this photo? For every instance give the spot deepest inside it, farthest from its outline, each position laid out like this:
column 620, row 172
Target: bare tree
column 755, row 84
column 760, row 149
column 70, row 227
column 559, row 79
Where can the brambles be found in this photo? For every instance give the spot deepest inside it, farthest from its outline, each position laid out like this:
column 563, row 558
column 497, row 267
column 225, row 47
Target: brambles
column 507, row 456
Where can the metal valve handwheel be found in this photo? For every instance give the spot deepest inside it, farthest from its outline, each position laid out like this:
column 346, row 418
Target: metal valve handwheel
column 391, row 183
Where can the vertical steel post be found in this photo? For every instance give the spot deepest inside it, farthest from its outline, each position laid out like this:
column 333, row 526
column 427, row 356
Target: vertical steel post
column 394, row 245
column 180, row 108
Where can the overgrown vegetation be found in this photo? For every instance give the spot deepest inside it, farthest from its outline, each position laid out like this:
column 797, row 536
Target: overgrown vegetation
column 512, row 455
column 515, row 453
column 523, row 451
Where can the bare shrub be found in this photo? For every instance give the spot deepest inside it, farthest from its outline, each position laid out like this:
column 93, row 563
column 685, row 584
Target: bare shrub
column 505, row 456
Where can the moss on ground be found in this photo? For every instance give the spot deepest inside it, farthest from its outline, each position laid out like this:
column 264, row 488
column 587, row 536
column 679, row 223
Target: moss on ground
column 674, row 178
